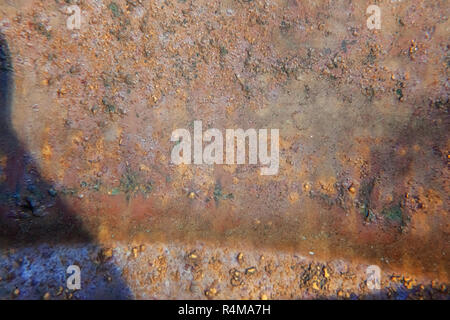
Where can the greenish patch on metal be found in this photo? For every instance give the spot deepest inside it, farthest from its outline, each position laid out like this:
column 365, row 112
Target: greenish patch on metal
column 364, row 197
column 109, row 107
column 393, row 213
column 131, row 184
column 69, row 191
column 223, row 51
column 115, row 191
column 96, row 185
column 115, row 9
column 40, row 27
column 228, row 196
column 218, row 194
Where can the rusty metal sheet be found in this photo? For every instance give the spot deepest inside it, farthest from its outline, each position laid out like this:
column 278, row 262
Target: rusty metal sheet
column 88, row 112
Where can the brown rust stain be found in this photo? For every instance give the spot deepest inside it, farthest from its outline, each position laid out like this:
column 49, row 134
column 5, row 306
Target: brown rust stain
column 363, row 123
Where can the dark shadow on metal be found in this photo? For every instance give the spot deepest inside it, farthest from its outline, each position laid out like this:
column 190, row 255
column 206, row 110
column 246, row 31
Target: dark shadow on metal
column 31, row 213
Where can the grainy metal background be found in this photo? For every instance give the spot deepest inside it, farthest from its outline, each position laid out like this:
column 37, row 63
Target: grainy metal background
column 86, row 120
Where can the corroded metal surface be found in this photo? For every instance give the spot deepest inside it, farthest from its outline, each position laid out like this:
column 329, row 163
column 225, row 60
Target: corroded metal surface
column 200, row 271
column 87, row 117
